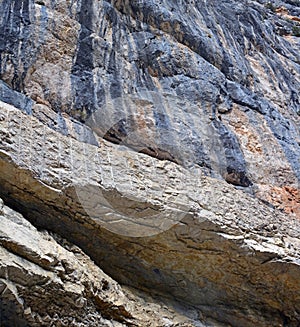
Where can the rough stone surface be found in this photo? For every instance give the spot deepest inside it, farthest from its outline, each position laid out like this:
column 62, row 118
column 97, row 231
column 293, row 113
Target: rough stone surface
column 188, row 238
column 163, row 139
column 44, row 280
column 142, row 72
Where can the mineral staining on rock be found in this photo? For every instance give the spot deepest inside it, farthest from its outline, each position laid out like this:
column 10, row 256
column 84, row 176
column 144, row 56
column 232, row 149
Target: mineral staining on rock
column 163, row 139
column 209, row 66
column 218, row 256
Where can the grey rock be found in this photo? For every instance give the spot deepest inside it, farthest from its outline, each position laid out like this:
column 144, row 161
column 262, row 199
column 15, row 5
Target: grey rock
column 44, row 280
column 193, row 96
column 15, row 98
column 198, row 59
column 153, row 225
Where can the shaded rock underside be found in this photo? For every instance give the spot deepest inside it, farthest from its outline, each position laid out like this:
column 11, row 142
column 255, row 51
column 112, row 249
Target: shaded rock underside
column 163, row 139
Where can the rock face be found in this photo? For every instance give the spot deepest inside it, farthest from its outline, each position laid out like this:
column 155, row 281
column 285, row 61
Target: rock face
column 45, row 281
column 162, row 138
column 140, row 72
column 153, row 225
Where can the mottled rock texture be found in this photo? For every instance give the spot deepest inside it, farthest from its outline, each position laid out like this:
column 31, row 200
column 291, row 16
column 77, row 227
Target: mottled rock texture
column 154, row 225
column 163, row 139
column 227, row 71
column 46, row 281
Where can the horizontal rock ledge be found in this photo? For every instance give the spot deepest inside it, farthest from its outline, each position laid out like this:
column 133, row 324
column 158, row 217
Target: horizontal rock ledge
column 154, row 225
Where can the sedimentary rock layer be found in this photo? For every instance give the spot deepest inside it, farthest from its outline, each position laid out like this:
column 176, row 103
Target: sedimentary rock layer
column 208, row 83
column 44, row 280
column 189, row 238
column 163, row 139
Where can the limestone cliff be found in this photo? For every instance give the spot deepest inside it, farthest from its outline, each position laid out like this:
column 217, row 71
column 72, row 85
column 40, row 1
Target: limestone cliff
column 161, row 139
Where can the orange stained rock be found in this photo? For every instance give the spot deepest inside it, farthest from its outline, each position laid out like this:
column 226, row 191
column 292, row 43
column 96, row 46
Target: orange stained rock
column 286, row 198
column 282, row 11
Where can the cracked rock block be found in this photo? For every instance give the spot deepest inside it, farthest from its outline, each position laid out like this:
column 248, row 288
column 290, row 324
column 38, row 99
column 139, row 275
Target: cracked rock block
column 162, row 139
column 150, row 224
column 45, row 280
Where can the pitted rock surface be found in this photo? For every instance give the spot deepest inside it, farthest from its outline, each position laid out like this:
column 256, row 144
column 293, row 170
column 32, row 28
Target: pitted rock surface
column 162, row 138
column 206, row 66
column 230, row 256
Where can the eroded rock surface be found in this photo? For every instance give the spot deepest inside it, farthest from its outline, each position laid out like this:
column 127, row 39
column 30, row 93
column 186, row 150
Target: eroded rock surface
column 185, row 237
column 44, row 280
column 142, row 73
column 163, row 139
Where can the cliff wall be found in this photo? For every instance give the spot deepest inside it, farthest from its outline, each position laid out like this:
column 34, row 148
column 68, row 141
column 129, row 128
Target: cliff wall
column 160, row 139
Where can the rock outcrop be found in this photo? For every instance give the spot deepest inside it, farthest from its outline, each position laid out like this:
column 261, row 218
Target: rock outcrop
column 141, row 72
column 46, row 281
column 154, row 225
column 160, row 139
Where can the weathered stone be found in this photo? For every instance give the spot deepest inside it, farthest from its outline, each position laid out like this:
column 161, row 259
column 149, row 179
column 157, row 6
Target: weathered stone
column 184, row 90
column 46, row 280
column 182, row 63
column 200, row 242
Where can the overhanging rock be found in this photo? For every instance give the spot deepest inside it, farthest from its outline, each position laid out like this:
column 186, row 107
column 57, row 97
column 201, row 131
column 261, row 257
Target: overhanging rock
column 153, row 225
